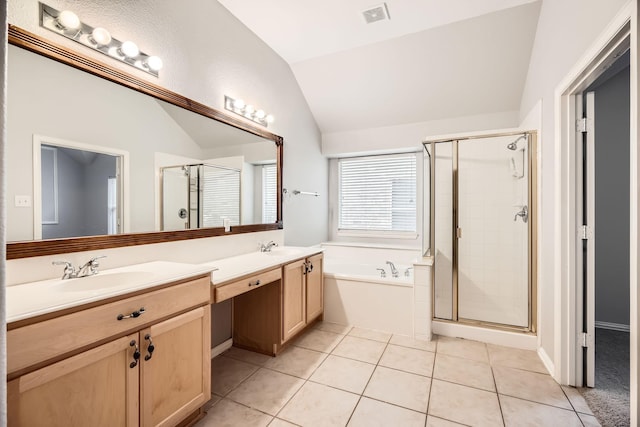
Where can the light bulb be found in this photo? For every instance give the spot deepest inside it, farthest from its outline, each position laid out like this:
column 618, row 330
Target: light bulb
column 260, row 114
column 101, row 36
column 129, row 49
column 249, row 109
column 239, row 104
column 269, row 118
column 154, row 63
column 68, row 20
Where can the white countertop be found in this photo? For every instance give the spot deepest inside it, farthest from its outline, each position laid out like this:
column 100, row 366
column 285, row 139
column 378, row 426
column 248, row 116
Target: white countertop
column 242, row 265
column 46, row 296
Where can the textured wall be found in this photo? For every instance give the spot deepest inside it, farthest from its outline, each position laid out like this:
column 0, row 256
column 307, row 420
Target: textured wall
column 208, row 53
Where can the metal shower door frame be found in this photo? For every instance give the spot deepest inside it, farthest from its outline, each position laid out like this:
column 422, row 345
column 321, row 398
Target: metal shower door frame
column 531, row 231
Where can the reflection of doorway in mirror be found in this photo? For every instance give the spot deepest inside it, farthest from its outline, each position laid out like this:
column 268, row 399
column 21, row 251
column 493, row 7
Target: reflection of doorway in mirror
column 79, row 189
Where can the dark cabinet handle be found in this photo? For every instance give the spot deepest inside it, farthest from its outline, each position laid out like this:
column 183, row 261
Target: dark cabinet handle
column 132, row 315
column 308, row 267
column 150, row 348
column 256, row 283
column 136, row 354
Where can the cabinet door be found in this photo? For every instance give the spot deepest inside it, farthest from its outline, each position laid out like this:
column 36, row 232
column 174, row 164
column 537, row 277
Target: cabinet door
column 96, row 388
column 315, row 288
column 175, row 373
column 293, row 299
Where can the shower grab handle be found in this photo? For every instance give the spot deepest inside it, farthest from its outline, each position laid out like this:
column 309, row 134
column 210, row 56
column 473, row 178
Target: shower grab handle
column 524, row 214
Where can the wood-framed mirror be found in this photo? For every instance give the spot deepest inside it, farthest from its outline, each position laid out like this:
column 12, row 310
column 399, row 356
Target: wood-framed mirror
column 188, row 117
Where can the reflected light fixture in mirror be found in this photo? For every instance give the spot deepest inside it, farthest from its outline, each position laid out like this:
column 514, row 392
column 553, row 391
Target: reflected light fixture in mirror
column 69, row 25
column 239, row 107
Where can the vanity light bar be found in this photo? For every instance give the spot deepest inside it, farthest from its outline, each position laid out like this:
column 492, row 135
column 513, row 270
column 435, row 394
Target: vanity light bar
column 247, row 111
column 67, row 24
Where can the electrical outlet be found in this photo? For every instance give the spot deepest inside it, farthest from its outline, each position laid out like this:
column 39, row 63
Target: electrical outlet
column 23, row 202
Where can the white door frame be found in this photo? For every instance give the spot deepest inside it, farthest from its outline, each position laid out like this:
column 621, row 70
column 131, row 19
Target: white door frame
column 622, row 29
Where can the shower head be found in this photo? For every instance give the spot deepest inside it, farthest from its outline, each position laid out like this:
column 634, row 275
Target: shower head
column 514, row 145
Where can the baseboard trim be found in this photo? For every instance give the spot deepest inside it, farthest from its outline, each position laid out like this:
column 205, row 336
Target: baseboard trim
column 612, row 326
column 546, row 360
column 221, row 348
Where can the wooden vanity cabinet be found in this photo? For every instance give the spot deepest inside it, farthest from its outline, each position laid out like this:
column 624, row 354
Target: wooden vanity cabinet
column 288, row 299
column 107, row 385
column 314, row 288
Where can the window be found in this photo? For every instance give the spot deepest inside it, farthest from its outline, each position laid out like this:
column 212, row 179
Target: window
column 220, row 195
column 269, row 193
column 377, row 193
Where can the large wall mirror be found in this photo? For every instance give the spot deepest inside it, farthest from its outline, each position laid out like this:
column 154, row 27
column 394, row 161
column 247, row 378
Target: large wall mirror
column 98, row 158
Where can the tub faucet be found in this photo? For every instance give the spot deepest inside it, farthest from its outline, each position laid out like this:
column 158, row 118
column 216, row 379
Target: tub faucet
column 268, row 246
column 394, row 270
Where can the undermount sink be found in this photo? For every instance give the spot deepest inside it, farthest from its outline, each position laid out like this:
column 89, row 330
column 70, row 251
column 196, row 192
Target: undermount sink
column 283, row 252
column 104, row 281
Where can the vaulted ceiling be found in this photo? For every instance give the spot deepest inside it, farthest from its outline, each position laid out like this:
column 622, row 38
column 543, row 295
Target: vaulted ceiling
column 433, row 59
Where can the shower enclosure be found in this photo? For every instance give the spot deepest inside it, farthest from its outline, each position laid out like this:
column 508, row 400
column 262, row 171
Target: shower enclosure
column 199, row 195
column 481, row 222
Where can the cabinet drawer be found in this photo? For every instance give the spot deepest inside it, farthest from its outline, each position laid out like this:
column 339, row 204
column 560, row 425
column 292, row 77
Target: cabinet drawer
column 246, row 284
column 49, row 339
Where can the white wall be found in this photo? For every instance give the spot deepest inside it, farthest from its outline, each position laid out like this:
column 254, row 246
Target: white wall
column 207, row 53
column 409, row 136
column 3, row 228
column 565, row 30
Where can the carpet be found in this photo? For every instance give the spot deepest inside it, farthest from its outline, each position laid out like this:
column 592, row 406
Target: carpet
column 609, row 399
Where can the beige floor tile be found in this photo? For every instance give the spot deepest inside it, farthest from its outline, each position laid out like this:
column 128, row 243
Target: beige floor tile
column 408, row 359
column 277, row 422
column 231, row 414
column 464, row 371
column 439, row 422
column 373, row 413
column 532, row 386
column 360, row 349
column 336, row 328
column 406, row 341
column 576, row 399
column 399, row 388
column 464, row 405
column 518, row 412
column 467, row 349
column 214, row 399
column 227, row 373
column 319, row 405
column 319, row 340
column 370, row 334
column 246, row 356
column 345, row 374
column 515, row 358
column 589, row 420
column 297, row 361
column 267, row 391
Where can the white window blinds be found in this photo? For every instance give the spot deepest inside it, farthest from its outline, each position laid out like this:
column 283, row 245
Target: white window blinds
column 377, row 193
column 220, row 195
column 269, row 193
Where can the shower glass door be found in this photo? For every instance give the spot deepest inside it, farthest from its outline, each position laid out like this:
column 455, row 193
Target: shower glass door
column 493, row 230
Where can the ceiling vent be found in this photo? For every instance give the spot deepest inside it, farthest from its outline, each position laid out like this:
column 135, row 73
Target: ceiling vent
column 376, row 13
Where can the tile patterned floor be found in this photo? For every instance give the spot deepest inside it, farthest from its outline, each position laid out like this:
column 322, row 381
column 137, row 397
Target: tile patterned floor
column 335, row 375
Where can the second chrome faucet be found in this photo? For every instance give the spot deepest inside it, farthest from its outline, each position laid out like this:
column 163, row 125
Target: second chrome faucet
column 89, row 268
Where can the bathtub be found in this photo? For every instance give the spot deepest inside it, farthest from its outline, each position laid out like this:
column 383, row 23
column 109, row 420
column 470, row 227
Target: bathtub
column 355, row 294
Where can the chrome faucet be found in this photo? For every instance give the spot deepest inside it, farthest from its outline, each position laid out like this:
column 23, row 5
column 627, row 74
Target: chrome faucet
column 69, row 269
column 268, row 246
column 407, row 272
column 382, row 272
column 394, row 270
column 90, row 268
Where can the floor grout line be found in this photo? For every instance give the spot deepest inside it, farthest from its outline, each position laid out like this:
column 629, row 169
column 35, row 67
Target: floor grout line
column 495, row 384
